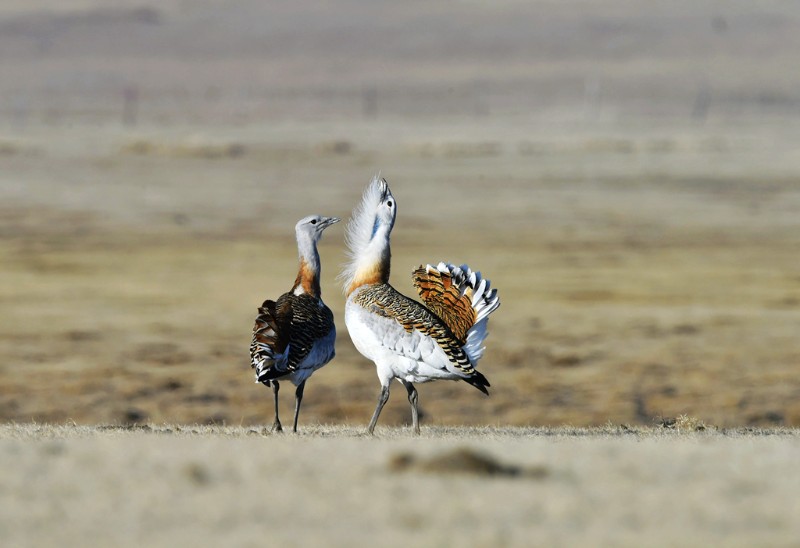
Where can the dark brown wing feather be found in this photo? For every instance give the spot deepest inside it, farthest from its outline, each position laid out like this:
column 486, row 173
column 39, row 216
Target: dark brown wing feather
column 294, row 323
column 270, row 332
column 311, row 320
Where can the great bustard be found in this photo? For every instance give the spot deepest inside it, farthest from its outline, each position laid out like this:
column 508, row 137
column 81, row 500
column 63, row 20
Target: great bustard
column 295, row 335
column 411, row 341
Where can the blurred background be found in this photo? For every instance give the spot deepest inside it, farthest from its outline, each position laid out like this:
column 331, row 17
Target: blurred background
column 627, row 174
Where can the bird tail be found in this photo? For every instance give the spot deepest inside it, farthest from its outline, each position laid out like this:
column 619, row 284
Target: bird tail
column 266, row 340
column 463, row 299
column 479, row 381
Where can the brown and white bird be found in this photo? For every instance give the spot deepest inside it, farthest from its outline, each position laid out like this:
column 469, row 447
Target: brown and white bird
column 295, row 335
column 439, row 338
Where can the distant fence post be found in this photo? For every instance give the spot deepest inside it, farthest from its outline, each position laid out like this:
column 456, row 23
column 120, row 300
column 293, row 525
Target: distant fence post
column 592, row 97
column 480, row 99
column 369, row 102
column 702, row 104
column 19, row 111
column 130, row 105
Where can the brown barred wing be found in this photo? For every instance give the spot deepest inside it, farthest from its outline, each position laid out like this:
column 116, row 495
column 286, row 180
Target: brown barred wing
column 447, row 298
column 384, row 300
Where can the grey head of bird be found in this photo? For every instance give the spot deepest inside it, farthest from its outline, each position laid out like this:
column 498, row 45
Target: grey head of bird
column 386, row 206
column 312, row 226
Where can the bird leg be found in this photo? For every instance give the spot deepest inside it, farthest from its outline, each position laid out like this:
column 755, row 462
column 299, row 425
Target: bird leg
column 276, row 426
column 382, row 399
column 298, row 397
column 412, row 399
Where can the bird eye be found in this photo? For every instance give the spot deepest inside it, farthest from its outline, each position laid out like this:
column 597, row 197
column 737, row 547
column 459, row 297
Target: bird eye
column 313, row 221
column 389, row 203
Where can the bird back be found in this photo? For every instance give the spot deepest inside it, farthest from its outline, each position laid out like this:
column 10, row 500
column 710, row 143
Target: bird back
column 285, row 333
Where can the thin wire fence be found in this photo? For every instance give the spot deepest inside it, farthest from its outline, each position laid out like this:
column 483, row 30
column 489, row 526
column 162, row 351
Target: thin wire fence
column 131, row 104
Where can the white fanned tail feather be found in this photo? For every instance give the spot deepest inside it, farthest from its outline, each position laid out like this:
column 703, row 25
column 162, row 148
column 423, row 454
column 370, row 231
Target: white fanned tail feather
column 484, row 302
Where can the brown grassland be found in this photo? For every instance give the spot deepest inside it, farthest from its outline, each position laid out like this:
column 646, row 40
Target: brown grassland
column 626, row 174
column 643, row 236
column 130, row 281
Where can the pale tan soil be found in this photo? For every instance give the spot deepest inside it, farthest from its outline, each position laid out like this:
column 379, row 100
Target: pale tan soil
column 332, row 485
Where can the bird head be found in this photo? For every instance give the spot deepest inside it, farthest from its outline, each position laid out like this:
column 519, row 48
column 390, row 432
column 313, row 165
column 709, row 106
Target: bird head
column 313, row 226
column 384, row 204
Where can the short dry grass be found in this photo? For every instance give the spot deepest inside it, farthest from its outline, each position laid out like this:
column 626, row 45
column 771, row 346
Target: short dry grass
column 238, row 486
column 626, row 175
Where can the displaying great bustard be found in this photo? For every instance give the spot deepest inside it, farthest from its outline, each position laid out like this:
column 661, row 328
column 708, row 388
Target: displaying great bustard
column 295, row 335
column 441, row 338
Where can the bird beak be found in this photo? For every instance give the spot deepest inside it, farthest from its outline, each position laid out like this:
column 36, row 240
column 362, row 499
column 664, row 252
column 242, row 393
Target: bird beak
column 328, row 221
column 384, row 189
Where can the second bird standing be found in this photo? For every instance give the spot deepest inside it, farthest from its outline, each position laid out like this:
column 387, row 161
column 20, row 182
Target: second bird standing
column 295, row 335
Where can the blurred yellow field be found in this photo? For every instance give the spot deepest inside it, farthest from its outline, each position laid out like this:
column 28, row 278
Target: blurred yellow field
column 626, row 173
column 130, row 283
column 627, row 179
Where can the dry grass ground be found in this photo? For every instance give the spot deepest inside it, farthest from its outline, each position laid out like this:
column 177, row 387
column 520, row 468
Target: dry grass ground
column 626, row 174
column 235, row 486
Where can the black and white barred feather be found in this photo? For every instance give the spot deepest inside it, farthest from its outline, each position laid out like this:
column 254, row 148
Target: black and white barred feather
column 285, row 333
